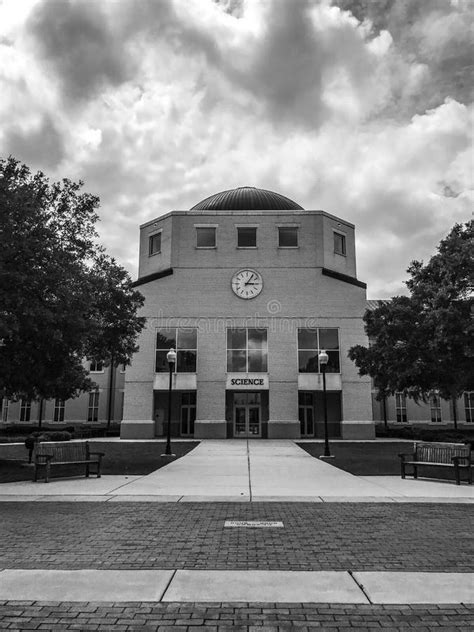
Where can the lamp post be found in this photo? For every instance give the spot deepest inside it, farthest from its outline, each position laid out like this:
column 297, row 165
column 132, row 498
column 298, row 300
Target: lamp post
column 171, row 357
column 323, row 360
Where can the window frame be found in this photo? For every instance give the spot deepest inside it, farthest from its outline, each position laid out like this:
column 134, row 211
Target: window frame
column 177, row 349
column 93, row 406
column 4, row 409
column 25, row 410
column 247, row 350
column 401, row 407
column 289, row 227
column 95, row 363
column 317, row 350
column 199, row 227
column 469, row 409
column 336, row 234
column 59, row 410
column 152, row 252
column 435, row 408
column 240, row 227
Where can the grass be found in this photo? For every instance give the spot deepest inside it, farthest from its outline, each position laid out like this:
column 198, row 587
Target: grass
column 127, row 458
column 375, row 458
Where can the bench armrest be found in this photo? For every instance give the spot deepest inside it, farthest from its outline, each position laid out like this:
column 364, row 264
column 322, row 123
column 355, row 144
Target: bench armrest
column 456, row 459
column 43, row 458
column 404, row 456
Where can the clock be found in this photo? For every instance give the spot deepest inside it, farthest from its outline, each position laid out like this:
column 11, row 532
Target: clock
column 247, row 283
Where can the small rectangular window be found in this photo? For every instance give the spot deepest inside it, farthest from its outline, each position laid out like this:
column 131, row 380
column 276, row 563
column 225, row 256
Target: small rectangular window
column 58, row 410
column 206, row 237
column 247, row 237
column 401, row 407
column 97, row 366
column 154, row 244
column 93, row 408
column 339, row 244
column 287, row 237
column 4, row 409
column 469, row 406
column 25, row 410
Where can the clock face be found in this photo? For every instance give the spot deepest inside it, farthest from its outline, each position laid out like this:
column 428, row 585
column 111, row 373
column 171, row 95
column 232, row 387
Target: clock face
column 247, row 283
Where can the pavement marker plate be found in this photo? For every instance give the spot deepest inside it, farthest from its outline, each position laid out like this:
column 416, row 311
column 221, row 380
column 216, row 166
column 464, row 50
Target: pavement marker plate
column 254, row 524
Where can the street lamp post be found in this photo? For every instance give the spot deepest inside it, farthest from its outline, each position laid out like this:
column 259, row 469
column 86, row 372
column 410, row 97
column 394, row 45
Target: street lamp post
column 323, row 360
column 171, row 357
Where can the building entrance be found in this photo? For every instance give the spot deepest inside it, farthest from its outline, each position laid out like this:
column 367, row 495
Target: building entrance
column 247, row 415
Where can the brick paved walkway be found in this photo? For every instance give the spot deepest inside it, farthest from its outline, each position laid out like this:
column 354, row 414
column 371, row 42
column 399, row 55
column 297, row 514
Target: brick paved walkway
column 346, row 536
column 231, row 616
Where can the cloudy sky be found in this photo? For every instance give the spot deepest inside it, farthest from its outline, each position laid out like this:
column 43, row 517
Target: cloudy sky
column 361, row 108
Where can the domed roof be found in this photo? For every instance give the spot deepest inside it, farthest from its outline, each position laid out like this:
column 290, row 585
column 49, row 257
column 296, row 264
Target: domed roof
column 246, row 199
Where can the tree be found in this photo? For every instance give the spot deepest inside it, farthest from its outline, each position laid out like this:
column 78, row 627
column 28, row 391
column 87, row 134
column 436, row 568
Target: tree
column 423, row 343
column 62, row 298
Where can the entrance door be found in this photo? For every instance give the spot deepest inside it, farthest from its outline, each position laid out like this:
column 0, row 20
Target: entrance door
column 305, row 413
column 247, row 414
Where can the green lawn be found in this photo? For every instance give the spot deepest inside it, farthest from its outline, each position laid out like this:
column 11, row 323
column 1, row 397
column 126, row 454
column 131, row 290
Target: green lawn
column 127, row 458
column 375, row 458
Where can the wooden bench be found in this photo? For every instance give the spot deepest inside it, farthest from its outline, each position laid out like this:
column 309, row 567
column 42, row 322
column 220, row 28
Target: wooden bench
column 70, row 453
column 455, row 455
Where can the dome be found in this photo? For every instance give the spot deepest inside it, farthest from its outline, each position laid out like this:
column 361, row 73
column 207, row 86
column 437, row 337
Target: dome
column 246, row 199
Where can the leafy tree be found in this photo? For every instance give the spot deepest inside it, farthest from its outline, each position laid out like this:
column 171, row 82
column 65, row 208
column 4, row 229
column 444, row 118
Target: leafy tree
column 424, row 342
column 61, row 297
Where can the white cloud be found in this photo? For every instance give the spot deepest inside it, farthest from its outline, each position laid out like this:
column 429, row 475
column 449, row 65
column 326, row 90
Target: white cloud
column 157, row 105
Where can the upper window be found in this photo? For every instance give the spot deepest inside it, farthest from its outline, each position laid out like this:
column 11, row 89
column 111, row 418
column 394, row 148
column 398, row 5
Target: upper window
column 25, row 410
column 246, row 237
column 247, row 350
column 97, row 366
column 184, row 342
column 469, row 406
column 206, row 237
column 339, row 244
column 287, row 237
column 435, row 405
column 154, row 244
column 401, row 407
column 311, row 342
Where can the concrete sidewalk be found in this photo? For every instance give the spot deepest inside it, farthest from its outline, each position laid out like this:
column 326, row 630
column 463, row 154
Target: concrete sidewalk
column 243, row 471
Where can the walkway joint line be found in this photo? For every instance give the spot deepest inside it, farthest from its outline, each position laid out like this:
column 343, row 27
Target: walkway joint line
column 168, row 584
column 362, row 588
column 248, row 465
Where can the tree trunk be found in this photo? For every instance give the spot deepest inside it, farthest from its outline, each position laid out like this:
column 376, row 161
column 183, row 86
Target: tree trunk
column 384, row 409
column 110, row 399
column 455, row 411
column 40, row 413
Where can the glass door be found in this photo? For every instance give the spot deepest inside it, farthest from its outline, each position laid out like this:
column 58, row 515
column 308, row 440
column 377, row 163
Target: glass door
column 247, row 415
column 306, row 414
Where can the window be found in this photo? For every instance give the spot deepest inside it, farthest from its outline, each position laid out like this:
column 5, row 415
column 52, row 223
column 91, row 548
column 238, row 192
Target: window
column 435, row 405
column 206, row 237
column 339, row 244
column 123, row 368
column 58, row 410
column 25, row 410
column 246, row 237
column 184, row 342
column 93, row 408
column 469, row 406
column 4, row 409
column 154, row 244
column 287, row 237
column 401, row 407
column 97, row 366
column 247, row 350
column 311, row 342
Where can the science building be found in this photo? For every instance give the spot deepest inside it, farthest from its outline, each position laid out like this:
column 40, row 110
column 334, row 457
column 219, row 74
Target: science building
column 248, row 287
